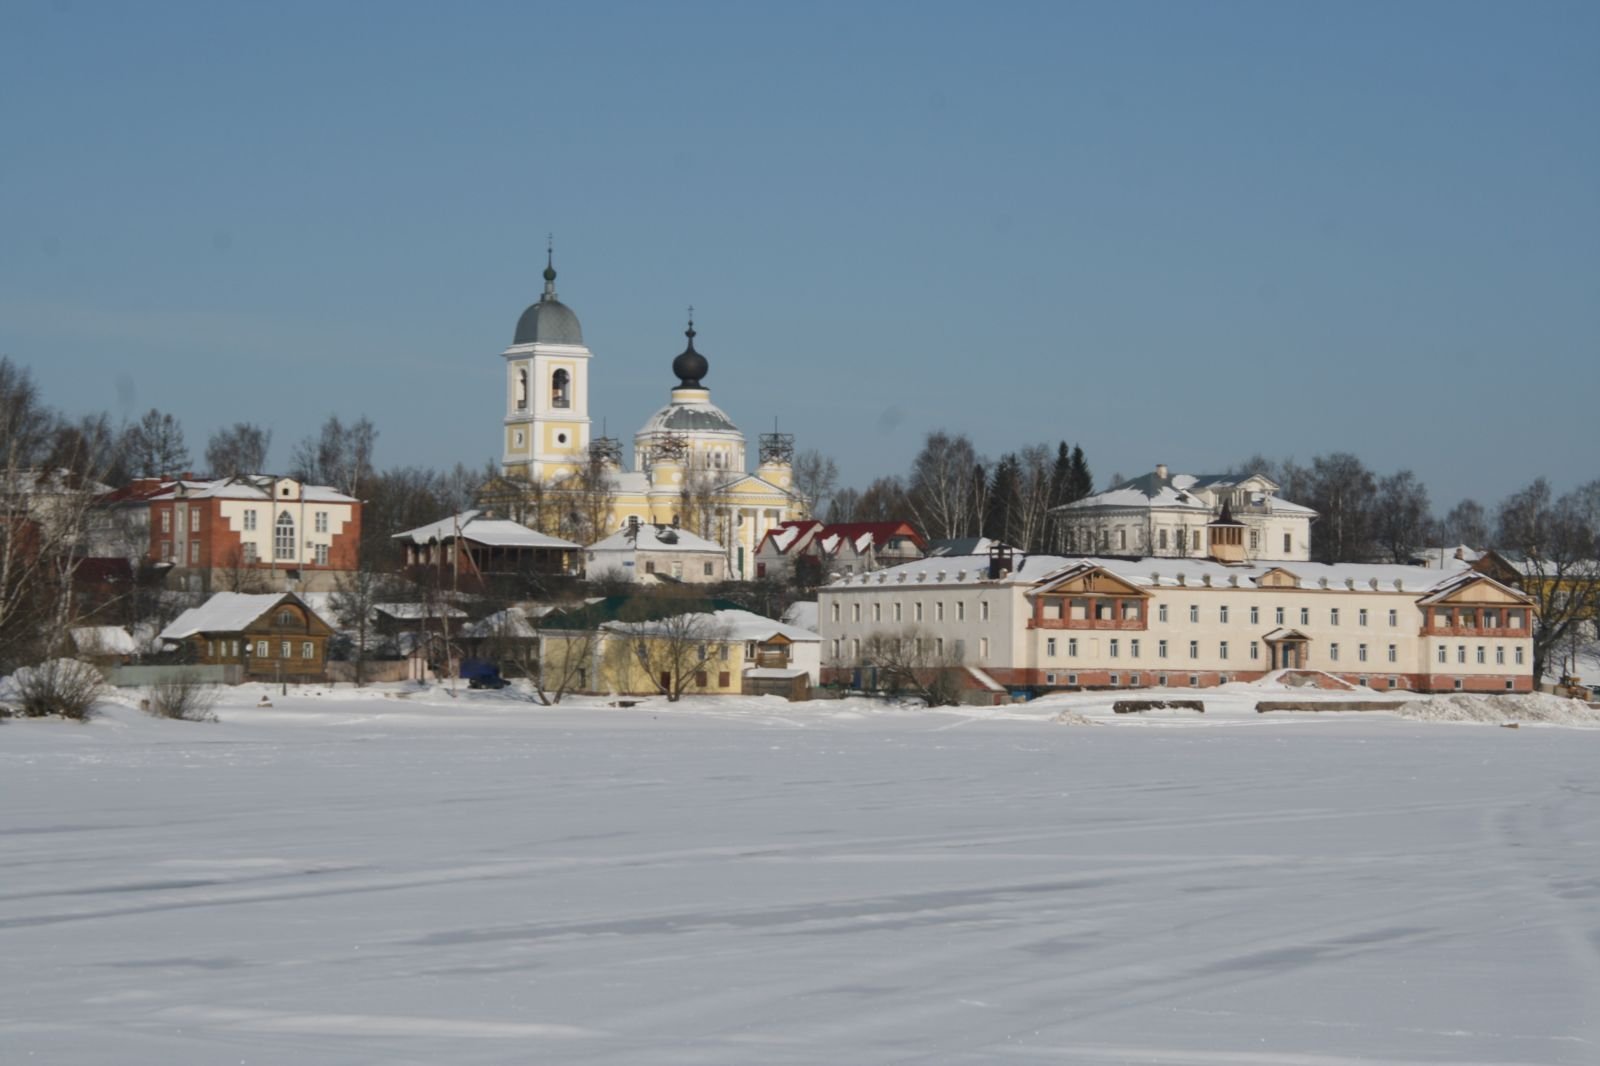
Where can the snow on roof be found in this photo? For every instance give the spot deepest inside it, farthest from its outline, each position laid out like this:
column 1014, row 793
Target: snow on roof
column 1154, row 572
column 226, row 612
column 774, row 672
column 829, row 536
column 411, row 612
column 476, row 527
column 652, row 538
column 802, row 613
column 515, row 623
column 1180, row 492
column 107, row 640
column 246, row 487
column 733, row 625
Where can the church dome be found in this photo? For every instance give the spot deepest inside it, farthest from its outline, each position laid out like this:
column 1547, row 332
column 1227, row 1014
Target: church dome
column 701, row 416
column 549, row 321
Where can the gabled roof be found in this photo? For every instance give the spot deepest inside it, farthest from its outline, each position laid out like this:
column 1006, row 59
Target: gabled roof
column 833, row 536
column 229, row 612
column 653, row 538
column 246, row 487
column 733, row 623
column 480, row 529
column 1462, row 580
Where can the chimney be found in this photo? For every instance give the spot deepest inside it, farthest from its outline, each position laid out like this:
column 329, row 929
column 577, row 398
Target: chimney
column 1161, row 471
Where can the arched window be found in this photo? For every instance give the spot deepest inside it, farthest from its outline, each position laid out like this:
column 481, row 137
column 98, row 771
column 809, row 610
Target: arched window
column 560, row 389
column 283, row 537
column 522, row 390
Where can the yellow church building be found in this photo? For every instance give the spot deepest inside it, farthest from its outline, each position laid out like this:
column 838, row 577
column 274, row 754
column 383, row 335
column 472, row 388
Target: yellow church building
column 690, row 462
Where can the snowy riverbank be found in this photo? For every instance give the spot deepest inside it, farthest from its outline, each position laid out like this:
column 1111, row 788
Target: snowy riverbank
column 358, row 877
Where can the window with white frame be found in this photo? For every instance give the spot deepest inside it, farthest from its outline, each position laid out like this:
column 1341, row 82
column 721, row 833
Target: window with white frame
column 1050, row 647
column 961, row 610
column 983, row 610
column 1255, row 650
column 1444, row 654
column 166, row 521
column 1305, row 616
column 1277, row 615
column 1072, row 647
column 1361, row 617
column 855, row 612
column 1222, row 650
column 916, row 611
column 897, row 610
column 1394, row 617
column 1519, row 656
column 834, row 610
column 1255, row 616
column 1461, row 653
column 250, row 519
column 284, row 651
column 322, row 555
column 1333, row 616
column 938, row 610
column 308, row 650
column 877, row 612
column 283, row 537
column 1222, row 614
column 1133, row 647
column 1361, row 652
column 1161, row 612
column 1161, row 649
column 983, row 647
column 1194, row 649
column 320, row 520
column 247, row 553
column 1194, row 612
column 194, row 520
column 1499, row 654
column 1480, row 656
column 1333, row 651
column 1394, row 653
column 1115, row 647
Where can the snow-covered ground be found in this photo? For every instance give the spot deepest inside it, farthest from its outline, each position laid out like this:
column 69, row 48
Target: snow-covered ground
column 357, row 878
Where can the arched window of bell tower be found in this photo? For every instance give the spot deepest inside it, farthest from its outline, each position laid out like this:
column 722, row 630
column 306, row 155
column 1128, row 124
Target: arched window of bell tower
column 560, row 389
column 522, row 390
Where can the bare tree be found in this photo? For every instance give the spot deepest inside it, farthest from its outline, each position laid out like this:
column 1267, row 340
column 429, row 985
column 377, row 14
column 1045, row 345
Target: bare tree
column 339, row 455
column 913, row 662
column 238, row 574
column 44, row 526
column 1402, row 516
column 940, row 491
column 238, row 449
column 815, row 478
column 1341, row 491
column 154, row 446
column 883, row 501
column 1466, row 523
column 561, row 663
column 1556, row 544
column 590, row 494
column 356, row 593
column 64, row 687
column 673, row 651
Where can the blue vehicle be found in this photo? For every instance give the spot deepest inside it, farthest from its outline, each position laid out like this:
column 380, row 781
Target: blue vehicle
column 481, row 673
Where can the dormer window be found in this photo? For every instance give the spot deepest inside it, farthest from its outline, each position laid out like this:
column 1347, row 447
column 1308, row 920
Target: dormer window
column 561, row 389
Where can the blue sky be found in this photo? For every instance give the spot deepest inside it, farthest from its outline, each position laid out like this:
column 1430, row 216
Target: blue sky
column 1175, row 233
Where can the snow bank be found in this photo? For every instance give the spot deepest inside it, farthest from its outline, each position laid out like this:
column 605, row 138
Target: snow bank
column 1538, row 707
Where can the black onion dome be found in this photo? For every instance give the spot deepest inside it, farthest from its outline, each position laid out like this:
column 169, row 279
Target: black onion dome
column 690, row 366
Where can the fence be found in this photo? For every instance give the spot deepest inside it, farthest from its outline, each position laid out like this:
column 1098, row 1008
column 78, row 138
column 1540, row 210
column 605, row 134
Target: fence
column 140, row 676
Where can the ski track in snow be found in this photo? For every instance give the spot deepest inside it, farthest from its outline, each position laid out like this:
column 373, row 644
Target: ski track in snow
column 354, row 878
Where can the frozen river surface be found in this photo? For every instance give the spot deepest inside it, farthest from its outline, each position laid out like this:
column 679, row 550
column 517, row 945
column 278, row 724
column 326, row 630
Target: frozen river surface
column 358, row 881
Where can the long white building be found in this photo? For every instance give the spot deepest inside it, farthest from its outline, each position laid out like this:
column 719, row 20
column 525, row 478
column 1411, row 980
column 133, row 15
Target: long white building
column 1044, row 622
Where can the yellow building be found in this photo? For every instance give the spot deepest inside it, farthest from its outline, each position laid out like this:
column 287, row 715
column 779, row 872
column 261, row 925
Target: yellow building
column 689, row 458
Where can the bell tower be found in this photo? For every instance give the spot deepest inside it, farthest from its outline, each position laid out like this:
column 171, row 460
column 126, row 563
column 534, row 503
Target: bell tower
column 547, row 390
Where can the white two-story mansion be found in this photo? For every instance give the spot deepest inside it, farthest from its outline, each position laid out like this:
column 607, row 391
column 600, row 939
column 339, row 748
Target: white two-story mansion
column 689, row 458
column 1038, row 623
column 1173, row 516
